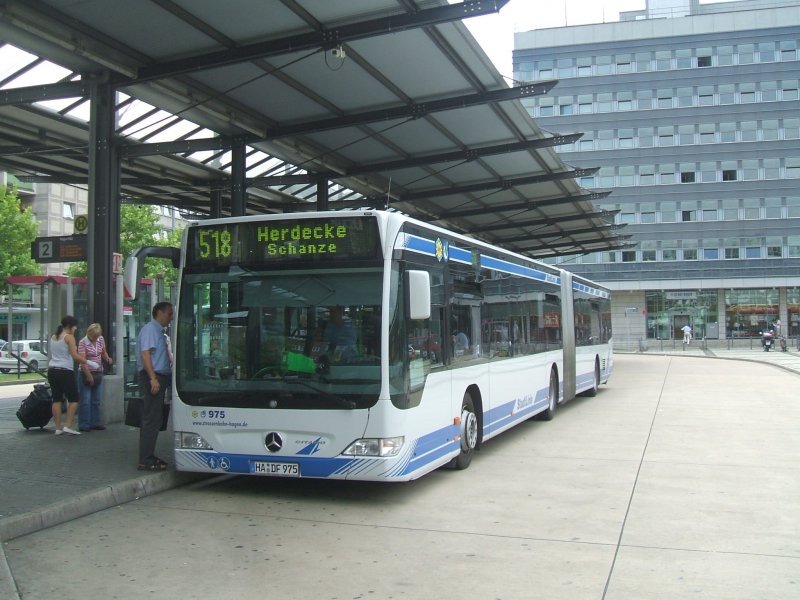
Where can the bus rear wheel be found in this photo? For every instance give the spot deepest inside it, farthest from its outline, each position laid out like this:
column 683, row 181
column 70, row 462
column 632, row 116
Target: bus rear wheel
column 469, row 434
column 592, row 391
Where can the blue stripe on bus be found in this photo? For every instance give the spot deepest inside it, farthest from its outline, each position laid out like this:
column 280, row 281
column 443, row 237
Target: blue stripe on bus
column 505, row 266
column 586, row 289
column 503, row 415
column 460, row 255
column 420, row 245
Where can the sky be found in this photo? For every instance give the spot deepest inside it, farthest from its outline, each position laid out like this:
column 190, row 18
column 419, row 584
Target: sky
column 496, row 32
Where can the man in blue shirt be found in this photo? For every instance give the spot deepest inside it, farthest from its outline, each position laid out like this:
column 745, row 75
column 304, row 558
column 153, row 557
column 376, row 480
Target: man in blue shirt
column 340, row 335
column 154, row 365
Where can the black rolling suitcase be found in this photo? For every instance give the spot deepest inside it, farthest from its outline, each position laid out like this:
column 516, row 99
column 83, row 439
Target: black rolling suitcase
column 37, row 409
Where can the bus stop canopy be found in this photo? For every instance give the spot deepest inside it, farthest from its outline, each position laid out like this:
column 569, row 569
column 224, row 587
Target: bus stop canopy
column 381, row 103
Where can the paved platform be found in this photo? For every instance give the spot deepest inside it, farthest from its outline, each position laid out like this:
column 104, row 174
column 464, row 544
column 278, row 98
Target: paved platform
column 46, row 480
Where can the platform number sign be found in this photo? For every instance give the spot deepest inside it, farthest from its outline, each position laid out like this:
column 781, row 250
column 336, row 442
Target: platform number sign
column 64, row 248
column 46, row 249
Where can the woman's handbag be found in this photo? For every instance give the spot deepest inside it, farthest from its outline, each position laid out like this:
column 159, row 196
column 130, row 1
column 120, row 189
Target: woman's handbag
column 133, row 414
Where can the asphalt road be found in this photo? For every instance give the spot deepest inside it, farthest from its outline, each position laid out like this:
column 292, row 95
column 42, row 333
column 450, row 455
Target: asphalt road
column 678, row 480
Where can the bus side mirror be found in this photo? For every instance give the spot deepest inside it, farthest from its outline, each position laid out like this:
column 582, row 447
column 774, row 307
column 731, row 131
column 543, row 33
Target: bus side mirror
column 418, row 295
column 131, row 276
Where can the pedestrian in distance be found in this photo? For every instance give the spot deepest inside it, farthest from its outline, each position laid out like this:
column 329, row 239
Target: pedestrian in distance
column 687, row 334
column 90, row 382
column 61, row 373
column 154, row 365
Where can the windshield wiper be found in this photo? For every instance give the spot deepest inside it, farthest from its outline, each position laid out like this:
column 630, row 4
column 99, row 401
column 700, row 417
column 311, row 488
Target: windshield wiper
column 343, row 402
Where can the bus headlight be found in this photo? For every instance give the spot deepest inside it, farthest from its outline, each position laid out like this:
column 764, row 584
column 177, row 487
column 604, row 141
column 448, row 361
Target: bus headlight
column 186, row 440
column 375, row 447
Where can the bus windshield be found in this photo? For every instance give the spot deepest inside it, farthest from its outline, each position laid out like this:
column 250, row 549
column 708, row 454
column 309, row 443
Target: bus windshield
column 291, row 339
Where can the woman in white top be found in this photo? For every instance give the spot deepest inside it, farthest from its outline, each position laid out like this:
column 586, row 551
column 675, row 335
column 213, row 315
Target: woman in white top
column 61, row 373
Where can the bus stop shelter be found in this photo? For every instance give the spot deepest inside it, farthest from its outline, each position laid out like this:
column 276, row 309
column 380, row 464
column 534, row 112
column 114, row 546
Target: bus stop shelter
column 282, row 106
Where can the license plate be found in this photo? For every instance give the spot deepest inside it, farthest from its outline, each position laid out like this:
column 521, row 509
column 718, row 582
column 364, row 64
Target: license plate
column 281, row 469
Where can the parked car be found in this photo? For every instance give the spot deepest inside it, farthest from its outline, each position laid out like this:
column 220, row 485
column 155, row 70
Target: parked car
column 30, row 351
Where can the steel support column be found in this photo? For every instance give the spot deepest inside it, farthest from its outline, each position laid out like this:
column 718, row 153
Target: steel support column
column 322, row 193
column 216, row 203
column 238, row 184
column 103, row 203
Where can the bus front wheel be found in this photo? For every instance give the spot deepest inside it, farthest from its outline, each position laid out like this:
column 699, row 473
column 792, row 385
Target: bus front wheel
column 552, row 398
column 469, row 434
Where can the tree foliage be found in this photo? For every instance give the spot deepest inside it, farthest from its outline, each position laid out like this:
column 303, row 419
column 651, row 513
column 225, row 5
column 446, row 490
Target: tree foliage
column 18, row 229
column 139, row 226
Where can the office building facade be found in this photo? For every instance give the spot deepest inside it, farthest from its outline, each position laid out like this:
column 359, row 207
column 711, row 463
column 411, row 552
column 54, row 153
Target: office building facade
column 691, row 112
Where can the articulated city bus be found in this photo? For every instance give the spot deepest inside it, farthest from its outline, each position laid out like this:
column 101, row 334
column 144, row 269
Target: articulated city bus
column 368, row 345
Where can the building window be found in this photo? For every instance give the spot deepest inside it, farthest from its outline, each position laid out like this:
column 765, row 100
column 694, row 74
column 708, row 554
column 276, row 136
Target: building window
column 643, row 62
column 708, row 172
column 749, row 170
column 731, row 249
column 746, row 52
column 727, row 132
column 730, row 210
column 645, row 135
column 789, row 89
column 729, row 175
column 752, row 208
column 752, row 252
column 788, row 50
column 749, row 131
column 709, row 214
column 687, row 177
column 644, row 99
column 565, row 109
column 772, row 168
column 629, row 256
column 665, row 99
column 793, row 207
column 775, row 247
column 647, row 175
column 727, row 94
column 707, row 133
column 604, row 65
column 793, row 168
column 766, row 52
column 724, row 55
column 769, row 91
column 690, row 254
column 667, row 178
column 68, row 210
column 703, row 61
column 772, row 208
column 710, row 253
column 688, row 215
column 668, row 211
column 791, row 129
column 769, row 129
column 669, row 254
column 663, row 60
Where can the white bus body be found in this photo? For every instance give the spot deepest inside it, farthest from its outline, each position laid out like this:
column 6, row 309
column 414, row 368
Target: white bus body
column 270, row 380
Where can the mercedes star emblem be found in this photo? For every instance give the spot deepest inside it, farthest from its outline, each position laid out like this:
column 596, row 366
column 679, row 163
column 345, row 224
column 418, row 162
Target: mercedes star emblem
column 273, row 441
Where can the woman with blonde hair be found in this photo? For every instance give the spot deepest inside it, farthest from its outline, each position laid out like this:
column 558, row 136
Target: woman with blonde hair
column 92, row 347
column 61, row 373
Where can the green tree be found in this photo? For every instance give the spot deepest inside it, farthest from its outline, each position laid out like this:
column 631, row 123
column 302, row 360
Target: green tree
column 139, row 226
column 18, row 229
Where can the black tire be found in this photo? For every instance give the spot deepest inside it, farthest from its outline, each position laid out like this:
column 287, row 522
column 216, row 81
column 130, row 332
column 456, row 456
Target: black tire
column 33, row 366
column 469, row 434
column 5, row 370
column 591, row 392
column 552, row 398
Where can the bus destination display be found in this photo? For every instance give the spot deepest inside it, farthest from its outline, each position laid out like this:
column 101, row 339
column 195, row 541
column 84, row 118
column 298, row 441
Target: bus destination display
column 262, row 242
